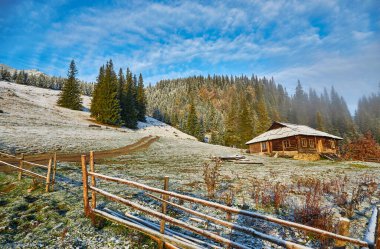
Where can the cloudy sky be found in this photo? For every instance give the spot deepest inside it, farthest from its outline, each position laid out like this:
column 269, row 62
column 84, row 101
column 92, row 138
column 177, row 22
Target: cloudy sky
column 322, row 43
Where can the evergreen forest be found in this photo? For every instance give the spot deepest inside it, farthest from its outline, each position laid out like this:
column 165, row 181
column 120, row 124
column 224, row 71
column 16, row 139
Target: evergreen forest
column 118, row 99
column 231, row 110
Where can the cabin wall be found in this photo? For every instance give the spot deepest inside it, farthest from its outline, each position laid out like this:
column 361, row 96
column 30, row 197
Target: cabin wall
column 281, row 145
column 255, row 148
column 307, row 144
column 292, row 146
column 329, row 145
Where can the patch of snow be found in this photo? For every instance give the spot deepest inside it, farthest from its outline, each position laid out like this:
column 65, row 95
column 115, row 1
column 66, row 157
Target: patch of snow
column 32, row 122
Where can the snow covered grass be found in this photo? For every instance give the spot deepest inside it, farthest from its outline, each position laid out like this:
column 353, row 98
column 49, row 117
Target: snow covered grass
column 32, row 123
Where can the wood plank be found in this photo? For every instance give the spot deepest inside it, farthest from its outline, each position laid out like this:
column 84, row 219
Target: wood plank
column 146, row 230
column 24, row 170
column 169, row 219
column 250, row 231
column 233, row 210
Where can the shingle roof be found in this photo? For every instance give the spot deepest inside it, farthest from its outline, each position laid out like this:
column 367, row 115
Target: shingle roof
column 289, row 130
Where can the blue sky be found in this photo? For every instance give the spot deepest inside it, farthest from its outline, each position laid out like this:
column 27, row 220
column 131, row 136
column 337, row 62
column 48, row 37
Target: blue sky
column 322, row 43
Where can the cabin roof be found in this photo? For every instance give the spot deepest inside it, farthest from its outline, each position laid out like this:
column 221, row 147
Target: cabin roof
column 288, row 130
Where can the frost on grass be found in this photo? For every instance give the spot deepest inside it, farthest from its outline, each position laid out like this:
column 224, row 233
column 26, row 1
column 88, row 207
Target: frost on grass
column 32, row 122
column 307, row 192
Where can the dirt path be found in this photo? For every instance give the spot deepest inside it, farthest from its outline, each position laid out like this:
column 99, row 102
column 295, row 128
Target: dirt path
column 142, row 144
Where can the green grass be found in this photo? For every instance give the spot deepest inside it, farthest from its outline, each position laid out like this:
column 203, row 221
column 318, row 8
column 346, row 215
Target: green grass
column 359, row 166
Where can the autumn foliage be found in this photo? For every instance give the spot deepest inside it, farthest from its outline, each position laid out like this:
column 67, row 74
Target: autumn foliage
column 362, row 148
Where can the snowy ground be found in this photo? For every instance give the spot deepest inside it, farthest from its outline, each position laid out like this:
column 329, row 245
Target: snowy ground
column 32, row 123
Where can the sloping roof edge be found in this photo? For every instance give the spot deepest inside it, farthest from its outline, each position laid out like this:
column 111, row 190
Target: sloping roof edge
column 289, row 130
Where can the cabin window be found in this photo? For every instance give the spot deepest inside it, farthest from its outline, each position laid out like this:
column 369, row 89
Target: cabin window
column 263, row 145
column 286, row 143
column 304, row 142
column 332, row 144
column 311, row 143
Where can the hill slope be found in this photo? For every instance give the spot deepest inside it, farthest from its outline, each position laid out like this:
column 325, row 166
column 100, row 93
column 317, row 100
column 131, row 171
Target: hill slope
column 32, row 122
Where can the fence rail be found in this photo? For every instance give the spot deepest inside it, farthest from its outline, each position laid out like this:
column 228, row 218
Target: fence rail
column 51, row 168
column 165, row 194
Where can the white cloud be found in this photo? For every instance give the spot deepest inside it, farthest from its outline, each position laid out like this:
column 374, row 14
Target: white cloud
column 352, row 75
column 294, row 39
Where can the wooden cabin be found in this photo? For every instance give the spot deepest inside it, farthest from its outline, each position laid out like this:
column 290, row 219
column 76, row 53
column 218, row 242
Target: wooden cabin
column 294, row 140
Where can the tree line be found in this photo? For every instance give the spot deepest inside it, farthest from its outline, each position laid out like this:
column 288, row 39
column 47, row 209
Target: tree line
column 234, row 109
column 118, row 99
column 42, row 80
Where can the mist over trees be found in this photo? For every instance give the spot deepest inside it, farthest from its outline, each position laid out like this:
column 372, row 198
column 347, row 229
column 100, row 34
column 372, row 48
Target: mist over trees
column 367, row 115
column 233, row 110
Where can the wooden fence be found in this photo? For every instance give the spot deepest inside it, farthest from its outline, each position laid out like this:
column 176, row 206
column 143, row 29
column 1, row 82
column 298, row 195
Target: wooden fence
column 168, row 238
column 51, row 168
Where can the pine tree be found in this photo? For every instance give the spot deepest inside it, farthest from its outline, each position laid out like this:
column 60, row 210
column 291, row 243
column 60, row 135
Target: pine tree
column 105, row 105
column 97, row 97
column 192, row 120
column 129, row 114
column 320, row 125
column 120, row 86
column 141, row 100
column 70, row 96
column 263, row 120
column 20, row 77
column 244, row 123
column 231, row 137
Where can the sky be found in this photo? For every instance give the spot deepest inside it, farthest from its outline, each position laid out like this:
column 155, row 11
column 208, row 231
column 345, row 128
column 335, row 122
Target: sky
column 322, row 43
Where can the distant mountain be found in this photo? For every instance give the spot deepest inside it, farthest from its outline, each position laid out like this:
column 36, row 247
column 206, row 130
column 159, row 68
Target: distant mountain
column 34, row 72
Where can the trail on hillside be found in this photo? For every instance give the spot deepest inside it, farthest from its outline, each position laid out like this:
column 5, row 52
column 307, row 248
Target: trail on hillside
column 141, row 144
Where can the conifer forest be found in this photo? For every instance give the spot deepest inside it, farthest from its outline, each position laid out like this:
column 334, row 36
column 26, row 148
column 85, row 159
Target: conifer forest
column 232, row 110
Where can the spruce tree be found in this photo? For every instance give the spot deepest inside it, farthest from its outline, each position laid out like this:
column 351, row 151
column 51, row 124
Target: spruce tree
column 263, row 121
column 320, row 125
column 120, row 86
column 105, row 105
column 70, row 96
column 192, row 120
column 129, row 102
column 141, row 100
column 96, row 95
column 231, row 137
column 245, row 129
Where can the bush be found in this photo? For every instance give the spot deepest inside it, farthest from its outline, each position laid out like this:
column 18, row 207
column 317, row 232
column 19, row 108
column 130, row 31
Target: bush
column 362, row 148
column 211, row 175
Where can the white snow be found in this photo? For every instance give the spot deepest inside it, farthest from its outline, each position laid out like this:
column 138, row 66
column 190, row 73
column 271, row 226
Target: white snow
column 32, row 122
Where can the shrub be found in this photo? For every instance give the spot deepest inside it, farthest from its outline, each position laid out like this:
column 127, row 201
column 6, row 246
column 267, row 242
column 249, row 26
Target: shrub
column 362, row 148
column 211, row 175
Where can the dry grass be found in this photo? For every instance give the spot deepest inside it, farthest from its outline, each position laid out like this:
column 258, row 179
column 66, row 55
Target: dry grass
column 211, row 174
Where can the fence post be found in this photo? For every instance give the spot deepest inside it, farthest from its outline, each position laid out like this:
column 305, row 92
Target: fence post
column 85, row 186
column 48, row 175
column 54, row 170
column 162, row 222
column 377, row 234
column 343, row 229
column 21, row 165
column 93, row 181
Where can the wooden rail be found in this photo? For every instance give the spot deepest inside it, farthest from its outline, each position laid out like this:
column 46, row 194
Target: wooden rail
column 165, row 194
column 372, row 235
column 49, row 178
